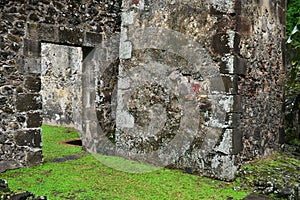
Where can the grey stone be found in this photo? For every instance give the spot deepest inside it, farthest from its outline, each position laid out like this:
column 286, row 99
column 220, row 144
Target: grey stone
column 34, row 158
column 9, row 164
column 33, row 84
column 31, row 138
column 28, row 102
column 3, row 185
column 32, row 48
column 257, row 197
column 92, row 39
column 71, row 36
column 34, row 120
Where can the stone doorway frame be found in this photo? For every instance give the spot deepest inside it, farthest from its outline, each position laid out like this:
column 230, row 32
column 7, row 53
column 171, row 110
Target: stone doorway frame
column 30, row 64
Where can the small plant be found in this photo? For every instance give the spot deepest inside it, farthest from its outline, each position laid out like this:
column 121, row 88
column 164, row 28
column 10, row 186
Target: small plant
column 292, row 103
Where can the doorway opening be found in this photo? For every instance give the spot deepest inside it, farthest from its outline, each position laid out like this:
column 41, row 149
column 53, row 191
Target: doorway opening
column 62, row 86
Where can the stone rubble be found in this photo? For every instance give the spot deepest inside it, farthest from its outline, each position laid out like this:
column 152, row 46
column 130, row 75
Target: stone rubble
column 7, row 194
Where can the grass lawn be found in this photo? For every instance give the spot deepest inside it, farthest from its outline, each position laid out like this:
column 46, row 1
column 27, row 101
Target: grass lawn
column 88, row 178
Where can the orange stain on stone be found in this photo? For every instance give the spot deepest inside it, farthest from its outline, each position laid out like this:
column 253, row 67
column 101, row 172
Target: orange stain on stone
column 135, row 2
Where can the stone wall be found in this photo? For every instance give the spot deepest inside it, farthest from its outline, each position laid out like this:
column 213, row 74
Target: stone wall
column 24, row 26
column 61, row 85
column 191, row 100
column 192, row 84
column 262, row 45
column 200, row 84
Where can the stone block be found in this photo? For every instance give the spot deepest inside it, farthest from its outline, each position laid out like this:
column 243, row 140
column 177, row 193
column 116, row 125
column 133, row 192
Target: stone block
column 219, row 44
column 237, row 144
column 33, row 84
column 236, row 44
column 237, row 105
column 230, row 83
column 30, row 138
column 32, row 48
column 3, row 101
column 31, row 65
column 227, row 65
column 282, row 13
column 70, row 36
column 243, row 25
column 34, row 120
column 27, row 102
column 240, row 65
column 233, row 119
column 92, row 39
column 9, row 164
column 34, row 158
column 48, row 33
column 42, row 32
column 225, row 145
column 2, row 138
column 21, row 118
column 224, row 84
column 233, row 65
column 6, row 90
column 32, row 31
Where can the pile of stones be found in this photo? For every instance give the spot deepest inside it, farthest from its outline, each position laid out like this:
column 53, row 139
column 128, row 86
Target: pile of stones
column 6, row 193
column 281, row 181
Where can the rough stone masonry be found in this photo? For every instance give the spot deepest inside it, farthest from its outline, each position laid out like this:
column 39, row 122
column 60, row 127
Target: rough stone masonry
column 192, row 84
column 27, row 27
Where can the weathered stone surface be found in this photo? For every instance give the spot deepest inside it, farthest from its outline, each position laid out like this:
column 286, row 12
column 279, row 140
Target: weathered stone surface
column 9, row 164
column 220, row 43
column 42, row 32
column 33, row 84
column 261, row 96
column 92, row 39
column 192, row 84
column 62, row 85
column 71, row 36
column 30, row 65
column 32, row 48
column 34, row 120
column 158, row 84
column 3, row 101
column 28, row 102
column 34, row 158
column 31, row 138
column 3, row 138
column 237, row 141
column 23, row 27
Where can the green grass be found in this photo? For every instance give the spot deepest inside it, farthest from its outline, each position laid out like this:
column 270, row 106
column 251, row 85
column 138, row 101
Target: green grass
column 88, row 178
column 52, row 135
